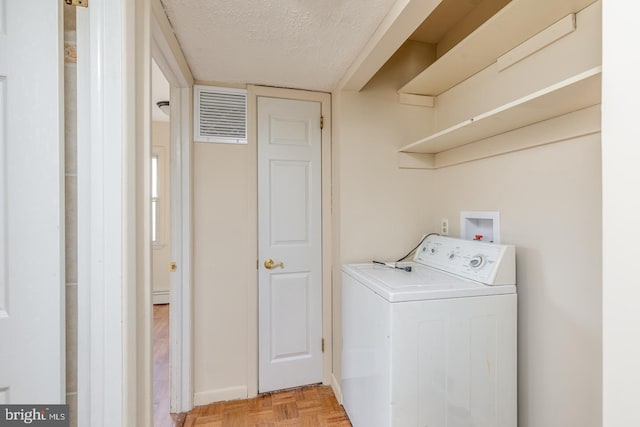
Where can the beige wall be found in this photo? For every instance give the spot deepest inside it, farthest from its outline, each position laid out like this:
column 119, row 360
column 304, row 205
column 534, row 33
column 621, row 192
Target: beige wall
column 549, row 199
column 380, row 211
column 221, row 276
column 161, row 253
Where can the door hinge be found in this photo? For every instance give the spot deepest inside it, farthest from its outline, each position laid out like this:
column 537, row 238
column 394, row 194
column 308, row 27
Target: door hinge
column 173, row 267
column 81, row 3
column 323, row 345
column 321, row 122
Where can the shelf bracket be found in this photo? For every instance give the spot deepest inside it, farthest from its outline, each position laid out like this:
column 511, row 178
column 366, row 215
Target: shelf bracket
column 420, row 100
column 416, row 160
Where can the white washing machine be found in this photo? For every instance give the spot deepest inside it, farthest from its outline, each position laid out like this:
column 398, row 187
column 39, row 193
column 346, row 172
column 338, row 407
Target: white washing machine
column 435, row 346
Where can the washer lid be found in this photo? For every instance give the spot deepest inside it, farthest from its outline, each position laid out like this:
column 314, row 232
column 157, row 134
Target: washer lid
column 421, row 283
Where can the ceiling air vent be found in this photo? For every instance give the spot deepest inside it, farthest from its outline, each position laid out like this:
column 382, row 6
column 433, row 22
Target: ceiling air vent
column 220, row 115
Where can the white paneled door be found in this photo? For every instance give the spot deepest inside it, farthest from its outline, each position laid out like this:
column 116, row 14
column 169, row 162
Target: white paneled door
column 31, row 203
column 290, row 243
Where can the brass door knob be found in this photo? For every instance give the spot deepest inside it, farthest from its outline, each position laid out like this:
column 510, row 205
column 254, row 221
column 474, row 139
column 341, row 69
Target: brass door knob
column 269, row 264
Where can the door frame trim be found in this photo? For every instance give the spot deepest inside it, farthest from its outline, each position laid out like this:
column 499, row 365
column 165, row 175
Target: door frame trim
column 113, row 270
column 253, row 92
column 167, row 54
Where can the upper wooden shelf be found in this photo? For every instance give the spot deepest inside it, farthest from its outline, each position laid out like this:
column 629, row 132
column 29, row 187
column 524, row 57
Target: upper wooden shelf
column 512, row 25
column 572, row 94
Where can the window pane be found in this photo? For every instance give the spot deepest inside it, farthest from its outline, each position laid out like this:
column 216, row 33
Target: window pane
column 154, row 175
column 154, row 221
column 154, row 198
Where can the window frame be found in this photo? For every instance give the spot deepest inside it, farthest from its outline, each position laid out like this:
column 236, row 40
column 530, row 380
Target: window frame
column 159, row 198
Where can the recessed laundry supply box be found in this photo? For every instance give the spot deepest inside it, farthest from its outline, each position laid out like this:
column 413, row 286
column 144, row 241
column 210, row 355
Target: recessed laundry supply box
column 435, row 346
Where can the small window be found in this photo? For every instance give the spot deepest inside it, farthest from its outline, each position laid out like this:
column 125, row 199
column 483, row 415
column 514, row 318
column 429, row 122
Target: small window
column 155, row 198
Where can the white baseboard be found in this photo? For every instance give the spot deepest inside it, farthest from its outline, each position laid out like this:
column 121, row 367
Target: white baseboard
column 161, row 297
column 219, row 395
column 335, row 385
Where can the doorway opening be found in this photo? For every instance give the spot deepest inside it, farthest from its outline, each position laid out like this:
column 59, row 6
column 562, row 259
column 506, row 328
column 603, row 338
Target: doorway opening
column 161, row 245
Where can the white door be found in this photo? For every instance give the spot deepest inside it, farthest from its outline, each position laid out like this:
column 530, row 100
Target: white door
column 290, row 243
column 31, row 203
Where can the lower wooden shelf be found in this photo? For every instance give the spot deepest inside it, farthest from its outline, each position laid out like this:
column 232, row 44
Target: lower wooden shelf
column 574, row 94
column 562, row 128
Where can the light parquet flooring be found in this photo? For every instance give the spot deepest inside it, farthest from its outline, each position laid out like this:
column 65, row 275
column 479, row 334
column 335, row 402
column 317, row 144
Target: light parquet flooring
column 312, row 406
column 161, row 390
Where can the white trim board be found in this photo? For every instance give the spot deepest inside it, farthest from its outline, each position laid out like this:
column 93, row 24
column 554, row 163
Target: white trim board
column 181, row 308
column 219, row 395
column 100, row 204
column 161, row 297
column 114, row 259
column 166, row 51
column 337, row 390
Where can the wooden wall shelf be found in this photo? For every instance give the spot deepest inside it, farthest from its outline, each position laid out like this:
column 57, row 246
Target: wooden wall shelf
column 572, row 94
column 512, row 25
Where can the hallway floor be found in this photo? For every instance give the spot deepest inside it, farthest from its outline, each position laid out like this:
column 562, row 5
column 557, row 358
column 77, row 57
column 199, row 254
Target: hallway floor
column 161, row 416
column 302, row 407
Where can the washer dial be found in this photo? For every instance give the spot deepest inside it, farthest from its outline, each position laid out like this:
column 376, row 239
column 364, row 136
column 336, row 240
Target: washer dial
column 476, row 261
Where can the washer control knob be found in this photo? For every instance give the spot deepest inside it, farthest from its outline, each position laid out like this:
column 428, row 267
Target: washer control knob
column 476, row 261
column 452, row 255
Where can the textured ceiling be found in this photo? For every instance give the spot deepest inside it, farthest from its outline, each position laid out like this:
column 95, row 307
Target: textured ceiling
column 305, row 44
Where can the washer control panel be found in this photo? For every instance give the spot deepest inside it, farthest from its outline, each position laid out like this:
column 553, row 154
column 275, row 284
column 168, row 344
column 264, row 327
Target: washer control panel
column 488, row 263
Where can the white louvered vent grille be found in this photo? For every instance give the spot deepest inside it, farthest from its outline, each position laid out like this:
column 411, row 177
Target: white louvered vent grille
column 221, row 115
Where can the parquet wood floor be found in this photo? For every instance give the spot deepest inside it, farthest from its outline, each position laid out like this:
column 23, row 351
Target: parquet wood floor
column 312, row 406
column 161, row 390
